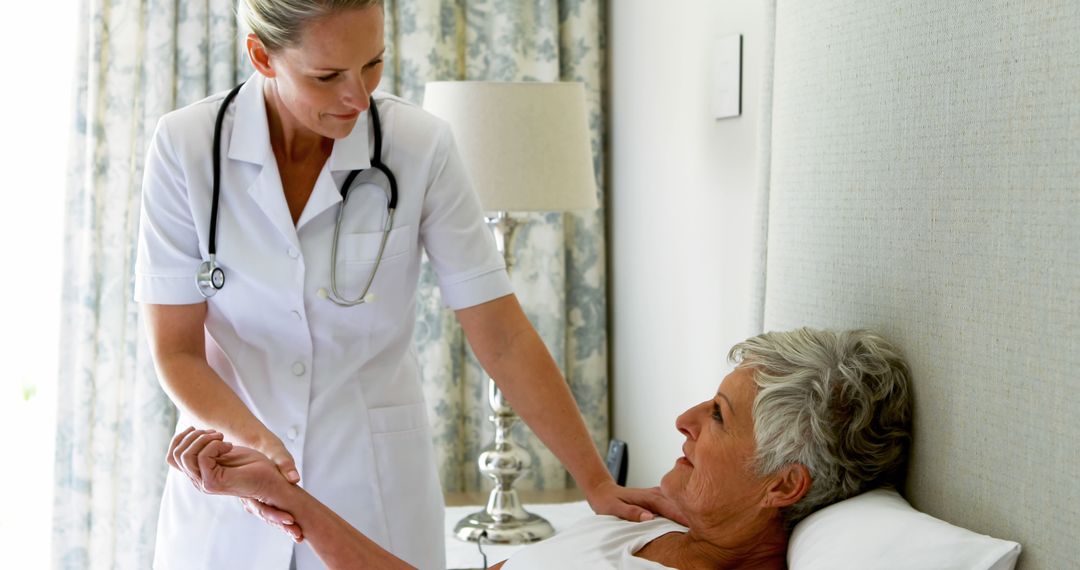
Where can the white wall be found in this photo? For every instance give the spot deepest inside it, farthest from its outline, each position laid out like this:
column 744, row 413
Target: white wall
column 942, row 211
column 681, row 193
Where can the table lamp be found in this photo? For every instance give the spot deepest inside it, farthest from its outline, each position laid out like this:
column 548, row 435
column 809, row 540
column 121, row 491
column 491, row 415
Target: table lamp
column 527, row 148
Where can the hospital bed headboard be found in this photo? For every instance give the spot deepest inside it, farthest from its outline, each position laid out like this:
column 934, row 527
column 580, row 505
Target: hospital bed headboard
column 923, row 178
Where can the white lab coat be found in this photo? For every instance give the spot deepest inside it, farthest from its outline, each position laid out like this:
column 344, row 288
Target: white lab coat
column 339, row 386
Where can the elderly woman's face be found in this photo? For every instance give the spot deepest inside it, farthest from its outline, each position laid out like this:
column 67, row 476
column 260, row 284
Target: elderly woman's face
column 325, row 81
column 714, row 477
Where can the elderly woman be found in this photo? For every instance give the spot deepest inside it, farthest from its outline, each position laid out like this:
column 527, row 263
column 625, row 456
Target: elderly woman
column 807, row 418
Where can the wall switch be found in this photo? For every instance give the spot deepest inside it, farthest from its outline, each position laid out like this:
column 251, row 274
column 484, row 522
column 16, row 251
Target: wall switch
column 727, row 77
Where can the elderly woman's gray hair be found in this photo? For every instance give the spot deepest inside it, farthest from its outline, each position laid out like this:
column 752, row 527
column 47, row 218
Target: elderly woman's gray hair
column 837, row 402
column 279, row 23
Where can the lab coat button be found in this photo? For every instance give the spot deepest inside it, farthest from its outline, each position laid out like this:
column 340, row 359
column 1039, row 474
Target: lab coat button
column 298, row 316
column 298, row 368
column 292, row 433
column 293, row 253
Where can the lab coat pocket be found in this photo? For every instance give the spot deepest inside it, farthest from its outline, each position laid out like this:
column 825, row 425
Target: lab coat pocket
column 363, row 248
column 408, row 482
column 392, row 419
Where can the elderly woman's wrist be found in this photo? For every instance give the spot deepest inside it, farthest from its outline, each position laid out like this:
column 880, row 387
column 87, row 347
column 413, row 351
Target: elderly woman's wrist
column 278, row 492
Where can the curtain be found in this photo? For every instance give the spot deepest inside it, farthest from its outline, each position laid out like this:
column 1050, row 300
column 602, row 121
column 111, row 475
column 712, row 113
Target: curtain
column 142, row 58
column 559, row 274
column 138, row 60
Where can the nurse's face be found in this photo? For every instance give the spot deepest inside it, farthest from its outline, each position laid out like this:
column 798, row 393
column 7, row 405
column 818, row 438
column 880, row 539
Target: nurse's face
column 323, row 83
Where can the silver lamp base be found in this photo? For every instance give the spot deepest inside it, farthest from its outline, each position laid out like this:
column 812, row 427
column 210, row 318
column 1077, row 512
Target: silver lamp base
column 503, row 520
column 510, row 523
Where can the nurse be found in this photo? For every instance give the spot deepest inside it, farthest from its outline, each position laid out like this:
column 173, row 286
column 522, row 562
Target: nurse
column 330, row 393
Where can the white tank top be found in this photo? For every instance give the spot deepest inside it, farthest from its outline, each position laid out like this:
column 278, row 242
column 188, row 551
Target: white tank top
column 597, row 542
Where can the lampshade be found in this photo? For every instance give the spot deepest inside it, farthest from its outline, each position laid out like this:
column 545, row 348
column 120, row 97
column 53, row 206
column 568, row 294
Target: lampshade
column 525, row 144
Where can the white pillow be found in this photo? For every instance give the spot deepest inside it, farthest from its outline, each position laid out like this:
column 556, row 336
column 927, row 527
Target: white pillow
column 880, row 530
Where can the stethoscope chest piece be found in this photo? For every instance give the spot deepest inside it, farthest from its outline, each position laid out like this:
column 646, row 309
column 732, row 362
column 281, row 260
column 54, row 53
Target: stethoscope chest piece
column 210, row 278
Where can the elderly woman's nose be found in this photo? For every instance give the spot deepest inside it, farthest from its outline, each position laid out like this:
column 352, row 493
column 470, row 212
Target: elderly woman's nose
column 687, row 424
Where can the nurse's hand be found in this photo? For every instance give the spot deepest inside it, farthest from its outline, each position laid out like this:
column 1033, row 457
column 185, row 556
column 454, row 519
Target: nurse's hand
column 270, row 446
column 632, row 504
column 274, row 517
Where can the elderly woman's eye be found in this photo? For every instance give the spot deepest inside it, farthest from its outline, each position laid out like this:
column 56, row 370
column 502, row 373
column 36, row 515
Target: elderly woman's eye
column 716, row 414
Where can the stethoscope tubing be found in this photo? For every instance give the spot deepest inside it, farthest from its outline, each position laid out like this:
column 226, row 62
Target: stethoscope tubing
column 212, row 244
column 210, row 277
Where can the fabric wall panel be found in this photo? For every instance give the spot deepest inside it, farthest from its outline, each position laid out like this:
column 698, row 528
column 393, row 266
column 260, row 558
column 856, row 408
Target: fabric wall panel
column 925, row 181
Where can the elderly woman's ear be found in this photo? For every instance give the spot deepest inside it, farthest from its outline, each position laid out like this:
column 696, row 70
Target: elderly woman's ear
column 787, row 486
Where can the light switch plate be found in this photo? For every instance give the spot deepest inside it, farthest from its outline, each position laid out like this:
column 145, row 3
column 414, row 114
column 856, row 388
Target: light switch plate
column 727, row 77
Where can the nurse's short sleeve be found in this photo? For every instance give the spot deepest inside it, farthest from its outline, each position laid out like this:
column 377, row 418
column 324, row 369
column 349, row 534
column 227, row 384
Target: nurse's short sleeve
column 168, row 249
column 459, row 244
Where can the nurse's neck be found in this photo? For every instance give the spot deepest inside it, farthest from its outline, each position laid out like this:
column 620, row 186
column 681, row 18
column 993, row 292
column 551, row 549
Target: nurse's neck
column 292, row 142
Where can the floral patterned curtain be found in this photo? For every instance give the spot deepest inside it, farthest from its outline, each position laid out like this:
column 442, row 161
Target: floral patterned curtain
column 142, row 58
column 559, row 273
column 138, row 59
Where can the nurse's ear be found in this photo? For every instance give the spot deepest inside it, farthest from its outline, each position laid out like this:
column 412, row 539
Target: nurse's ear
column 260, row 56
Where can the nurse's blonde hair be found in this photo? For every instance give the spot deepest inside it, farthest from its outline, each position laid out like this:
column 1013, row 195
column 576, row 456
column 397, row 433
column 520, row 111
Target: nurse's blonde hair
column 279, row 23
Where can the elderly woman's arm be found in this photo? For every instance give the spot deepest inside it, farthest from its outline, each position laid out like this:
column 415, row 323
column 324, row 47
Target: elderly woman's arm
column 218, row 467
column 334, row 540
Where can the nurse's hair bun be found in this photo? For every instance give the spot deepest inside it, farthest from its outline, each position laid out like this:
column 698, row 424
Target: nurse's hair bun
column 278, row 23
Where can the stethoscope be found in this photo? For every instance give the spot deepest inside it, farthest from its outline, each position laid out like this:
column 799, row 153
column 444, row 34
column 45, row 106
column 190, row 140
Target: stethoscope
column 211, row 277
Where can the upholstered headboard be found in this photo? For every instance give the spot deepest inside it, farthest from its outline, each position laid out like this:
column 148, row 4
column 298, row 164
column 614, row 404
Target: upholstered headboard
column 924, row 180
